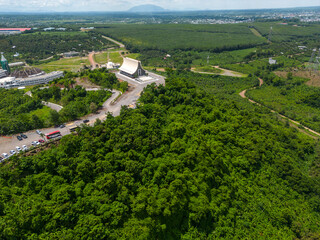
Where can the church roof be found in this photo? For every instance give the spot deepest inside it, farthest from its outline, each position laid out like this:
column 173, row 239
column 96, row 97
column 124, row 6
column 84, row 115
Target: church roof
column 129, row 65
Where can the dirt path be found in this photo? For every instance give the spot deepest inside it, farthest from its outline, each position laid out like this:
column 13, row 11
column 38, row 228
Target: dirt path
column 292, row 122
column 225, row 72
column 92, row 61
column 121, row 45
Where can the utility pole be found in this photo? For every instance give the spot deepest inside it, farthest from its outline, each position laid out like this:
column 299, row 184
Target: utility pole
column 208, row 59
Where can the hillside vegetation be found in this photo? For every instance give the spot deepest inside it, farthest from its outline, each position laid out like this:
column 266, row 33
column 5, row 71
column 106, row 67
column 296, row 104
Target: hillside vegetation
column 183, row 165
column 20, row 113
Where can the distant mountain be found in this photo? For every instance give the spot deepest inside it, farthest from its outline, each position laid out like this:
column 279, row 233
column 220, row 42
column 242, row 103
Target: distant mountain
column 147, row 8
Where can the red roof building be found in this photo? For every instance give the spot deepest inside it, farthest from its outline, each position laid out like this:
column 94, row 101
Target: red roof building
column 15, row 29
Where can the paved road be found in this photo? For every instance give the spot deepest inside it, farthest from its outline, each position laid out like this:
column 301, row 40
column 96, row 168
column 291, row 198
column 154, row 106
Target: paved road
column 53, row 106
column 129, row 98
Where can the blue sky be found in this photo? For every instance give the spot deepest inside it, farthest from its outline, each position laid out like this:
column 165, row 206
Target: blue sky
column 122, row 5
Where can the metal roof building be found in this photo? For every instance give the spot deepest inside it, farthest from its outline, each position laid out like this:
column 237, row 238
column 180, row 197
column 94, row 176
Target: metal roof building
column 132, row 68
column 3, row 73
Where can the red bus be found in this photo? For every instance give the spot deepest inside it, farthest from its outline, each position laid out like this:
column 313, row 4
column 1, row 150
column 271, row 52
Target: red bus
column 54, row 134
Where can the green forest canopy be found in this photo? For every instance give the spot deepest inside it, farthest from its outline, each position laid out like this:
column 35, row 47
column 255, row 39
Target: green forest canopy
column 183, row 165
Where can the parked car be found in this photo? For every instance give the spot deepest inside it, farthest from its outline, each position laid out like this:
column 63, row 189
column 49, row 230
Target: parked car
column 62, row 126
column 86, row 121
column 5, row 155
column 41, row 141
column 24, row 148
column 23, row 135
column 19, row 138
column 18, row 149
column 35, row 143
column 39, row 132
column 12, row 152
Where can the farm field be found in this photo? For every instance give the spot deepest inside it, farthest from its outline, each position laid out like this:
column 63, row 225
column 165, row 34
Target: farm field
column 183, row 37
column 289, row 32
column 101, row 58
column 65, row 64
column 41, row 45
column 293, row 99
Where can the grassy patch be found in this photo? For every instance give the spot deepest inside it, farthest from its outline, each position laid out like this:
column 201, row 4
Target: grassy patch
column 65, row 64
column 101, row 58
column 133, row 55
column 208, row 69
column 43, row 113
column 115, row 57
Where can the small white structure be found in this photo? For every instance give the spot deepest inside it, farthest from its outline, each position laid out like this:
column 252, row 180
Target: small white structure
column 49, row 29
column 302, row 47
column 272, row 61
column 132, row 68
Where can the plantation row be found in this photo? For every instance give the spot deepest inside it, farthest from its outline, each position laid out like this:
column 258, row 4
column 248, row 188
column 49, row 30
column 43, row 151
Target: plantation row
column 214, row 38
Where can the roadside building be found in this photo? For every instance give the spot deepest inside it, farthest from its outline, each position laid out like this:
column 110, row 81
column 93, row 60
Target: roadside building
column 111, row 65
column 11, row 82
column 10, row 31
column 3, row 73
column 71, row 54
column 48, row 29
column 84, row 29
column 16, row 64
column 132, row 68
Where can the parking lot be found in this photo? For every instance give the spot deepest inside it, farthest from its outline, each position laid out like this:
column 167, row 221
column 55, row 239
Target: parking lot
column 8, row 143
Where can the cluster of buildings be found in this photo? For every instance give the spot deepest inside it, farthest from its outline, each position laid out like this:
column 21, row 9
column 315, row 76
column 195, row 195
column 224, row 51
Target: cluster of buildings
column 10, row 31
column 11, row 82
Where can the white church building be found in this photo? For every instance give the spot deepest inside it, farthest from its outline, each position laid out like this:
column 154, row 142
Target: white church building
column 132, row 68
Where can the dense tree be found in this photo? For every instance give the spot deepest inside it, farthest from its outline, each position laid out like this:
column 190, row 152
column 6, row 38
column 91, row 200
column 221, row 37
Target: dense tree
column 186, row 164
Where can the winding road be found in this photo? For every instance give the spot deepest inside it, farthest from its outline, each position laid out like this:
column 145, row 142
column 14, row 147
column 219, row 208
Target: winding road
column 294, row 123
column 112, row 105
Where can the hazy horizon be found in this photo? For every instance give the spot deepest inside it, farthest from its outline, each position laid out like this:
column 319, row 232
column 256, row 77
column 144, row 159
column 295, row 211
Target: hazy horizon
column 123, row 5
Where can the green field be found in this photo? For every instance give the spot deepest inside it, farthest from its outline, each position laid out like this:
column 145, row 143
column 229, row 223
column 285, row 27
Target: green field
column 101, row 58
column 65, row 64
column 115, row 57
column 134, row 55
column 235, row 56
